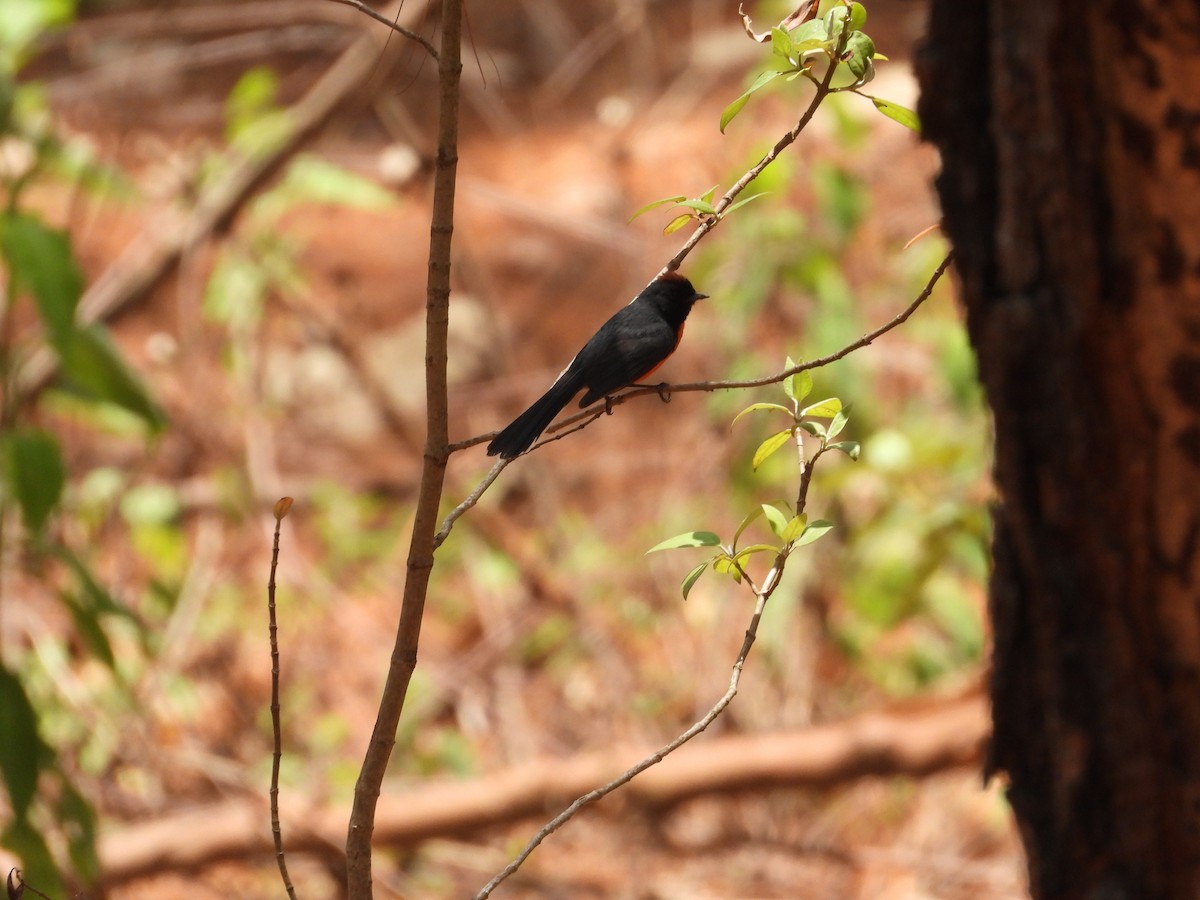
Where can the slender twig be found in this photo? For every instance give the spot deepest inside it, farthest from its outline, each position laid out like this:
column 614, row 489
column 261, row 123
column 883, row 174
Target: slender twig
column 821, row 361
column 421, row 548
column 708, row 223
column 395, row 26
column 472, row 499
column 281, row 510
column 586, row 417
column 806, row 473
column 762, row 595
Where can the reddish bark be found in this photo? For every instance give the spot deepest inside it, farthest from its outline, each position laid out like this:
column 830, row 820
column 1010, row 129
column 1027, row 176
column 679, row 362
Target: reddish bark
column 1070, row 137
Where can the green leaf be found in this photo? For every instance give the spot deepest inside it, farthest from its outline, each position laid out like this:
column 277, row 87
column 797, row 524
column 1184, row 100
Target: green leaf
column 860, row 50
column 75, row 813
column 850, row 448
column 311, row 179
column 708, row 195
column 692, row 577
column 858, row 16
column 665, row 201
column 839, row 421
column 823, row 409
column 236, row 289
column 701, row 206
column 898, row 113
column 794, row 528
column 809, row 36
column 678, row 222
column 40, row 261
column 35, row 474
column 816, row 530
column 743, row 202
column 745, row 523
column 816, row 429
column 687, row 539
column 776, row 519
column 769, row 446
column 90, row 630
column 799, row 385
column 88, row 607
column 21, row 750
column 254, row 92
column 746, row 552
column 21, row 24
column 781, row 43
column 92, row 367
column 758, row 407
column 253, row 120
column 95, row 596
column 736, row 106
column 835, row 22
column 150, row 504
column 725, row 565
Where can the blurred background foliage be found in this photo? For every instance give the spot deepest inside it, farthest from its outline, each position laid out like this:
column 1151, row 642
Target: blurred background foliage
column 132, row 634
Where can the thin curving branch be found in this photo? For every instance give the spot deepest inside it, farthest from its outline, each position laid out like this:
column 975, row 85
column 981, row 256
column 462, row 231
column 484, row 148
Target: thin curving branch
column 761, row 595
column 392, row 24
column 281, row 509
column 585, row 417
column 708, row 223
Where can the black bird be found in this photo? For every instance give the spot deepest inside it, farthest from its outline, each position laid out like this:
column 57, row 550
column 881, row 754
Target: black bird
column 627, row 348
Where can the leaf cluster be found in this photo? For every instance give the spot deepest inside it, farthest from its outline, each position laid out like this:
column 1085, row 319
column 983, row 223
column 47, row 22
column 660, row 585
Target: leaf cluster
column 790, row 526
column 699, row 208
column 831, row 51
column 806, row 50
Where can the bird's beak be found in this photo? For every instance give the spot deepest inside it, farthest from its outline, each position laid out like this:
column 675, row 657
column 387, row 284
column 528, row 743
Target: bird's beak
column 700, row 296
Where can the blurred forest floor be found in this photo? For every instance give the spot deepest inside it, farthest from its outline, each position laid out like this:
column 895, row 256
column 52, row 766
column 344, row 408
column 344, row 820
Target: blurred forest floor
column 285, row 345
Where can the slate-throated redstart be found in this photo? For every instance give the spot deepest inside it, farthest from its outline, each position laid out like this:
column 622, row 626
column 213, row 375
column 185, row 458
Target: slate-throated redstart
column 628, row 347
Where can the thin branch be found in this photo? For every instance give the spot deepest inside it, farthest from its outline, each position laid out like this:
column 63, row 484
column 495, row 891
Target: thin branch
column 421, row 549
column 867, row 339
column 658, row 756
column 281, row 510
column 392, row 24
column 706, row 225
column 762, row 595
column 585, row 417
column 472, row 499
column 710, row 222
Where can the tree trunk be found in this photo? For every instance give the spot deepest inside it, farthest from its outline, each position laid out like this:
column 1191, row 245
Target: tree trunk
column 1070, row 139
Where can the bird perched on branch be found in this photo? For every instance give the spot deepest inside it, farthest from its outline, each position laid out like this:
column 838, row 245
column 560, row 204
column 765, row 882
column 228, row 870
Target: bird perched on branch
column 627, row 348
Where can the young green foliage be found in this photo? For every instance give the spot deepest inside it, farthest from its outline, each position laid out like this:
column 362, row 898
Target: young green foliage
column 790, row 529
column 806, row 49
column 697, row 209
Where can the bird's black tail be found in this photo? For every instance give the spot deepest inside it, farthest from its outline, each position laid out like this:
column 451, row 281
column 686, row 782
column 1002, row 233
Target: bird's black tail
column 525, row 428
